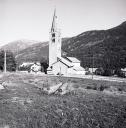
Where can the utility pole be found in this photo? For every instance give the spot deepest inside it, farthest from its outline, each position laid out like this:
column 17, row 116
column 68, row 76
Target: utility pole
column 5, row 62
column 92, row 62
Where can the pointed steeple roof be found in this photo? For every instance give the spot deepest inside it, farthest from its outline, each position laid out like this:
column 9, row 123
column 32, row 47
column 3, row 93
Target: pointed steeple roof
column 53, row 28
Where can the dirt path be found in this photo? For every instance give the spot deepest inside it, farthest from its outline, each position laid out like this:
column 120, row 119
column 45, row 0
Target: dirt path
column 99, row 78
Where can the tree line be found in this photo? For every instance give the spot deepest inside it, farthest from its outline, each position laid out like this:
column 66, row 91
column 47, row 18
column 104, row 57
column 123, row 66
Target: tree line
column 10, row 61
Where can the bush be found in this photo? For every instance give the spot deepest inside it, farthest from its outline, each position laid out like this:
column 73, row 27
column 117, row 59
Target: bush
column 99, row 71
column 88, row 73
column 120, row 73
column 102, row 87
column 92, row 87
column 108, row 72
column 104, row 72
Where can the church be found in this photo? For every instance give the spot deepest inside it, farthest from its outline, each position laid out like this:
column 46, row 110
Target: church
column 59, row 65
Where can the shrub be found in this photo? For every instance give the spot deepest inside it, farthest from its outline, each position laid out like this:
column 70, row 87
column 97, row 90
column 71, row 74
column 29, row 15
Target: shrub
column 91, row 87
column 102, row 87
column 88, row 73
column 120, row 89
column 120, row 73
column 108, row 72
column 99, row 71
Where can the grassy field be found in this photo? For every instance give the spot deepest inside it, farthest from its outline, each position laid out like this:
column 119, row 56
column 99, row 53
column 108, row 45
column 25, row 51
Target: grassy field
column 92, row 104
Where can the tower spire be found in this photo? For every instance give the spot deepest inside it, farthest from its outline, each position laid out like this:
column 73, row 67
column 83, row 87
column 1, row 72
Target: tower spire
column 55, row 42
column 53, row 28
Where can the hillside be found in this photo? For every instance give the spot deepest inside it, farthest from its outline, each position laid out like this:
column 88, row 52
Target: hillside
column 102, row 45
column 92, row 48
column 18, row 45
column 35, row 52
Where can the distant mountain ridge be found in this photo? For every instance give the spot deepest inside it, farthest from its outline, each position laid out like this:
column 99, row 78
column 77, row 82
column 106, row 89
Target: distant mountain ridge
column 85, row 46
column 18, row 45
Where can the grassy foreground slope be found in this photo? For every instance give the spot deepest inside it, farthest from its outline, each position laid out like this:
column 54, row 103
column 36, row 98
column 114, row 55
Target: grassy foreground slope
column 24, row 105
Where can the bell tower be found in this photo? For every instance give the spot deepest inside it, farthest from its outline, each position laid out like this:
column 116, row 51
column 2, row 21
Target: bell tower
column 54, row 42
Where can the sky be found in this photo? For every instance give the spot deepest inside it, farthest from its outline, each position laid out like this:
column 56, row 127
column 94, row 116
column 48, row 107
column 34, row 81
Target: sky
column 31, row 19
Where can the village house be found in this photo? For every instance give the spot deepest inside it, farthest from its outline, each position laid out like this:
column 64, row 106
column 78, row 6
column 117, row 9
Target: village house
column 36, row 67
column 24, row 64
column 31, row 67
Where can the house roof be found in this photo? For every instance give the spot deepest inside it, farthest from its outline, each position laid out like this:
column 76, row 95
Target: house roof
column 123, row 69
column 26, row 63
column 37, row 63
column 73, row 60
column 64, row 61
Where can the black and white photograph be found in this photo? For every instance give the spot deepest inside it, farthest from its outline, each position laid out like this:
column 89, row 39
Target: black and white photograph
column 62, row 63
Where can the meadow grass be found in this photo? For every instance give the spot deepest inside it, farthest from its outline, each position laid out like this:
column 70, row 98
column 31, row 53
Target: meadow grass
column 25, row 105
